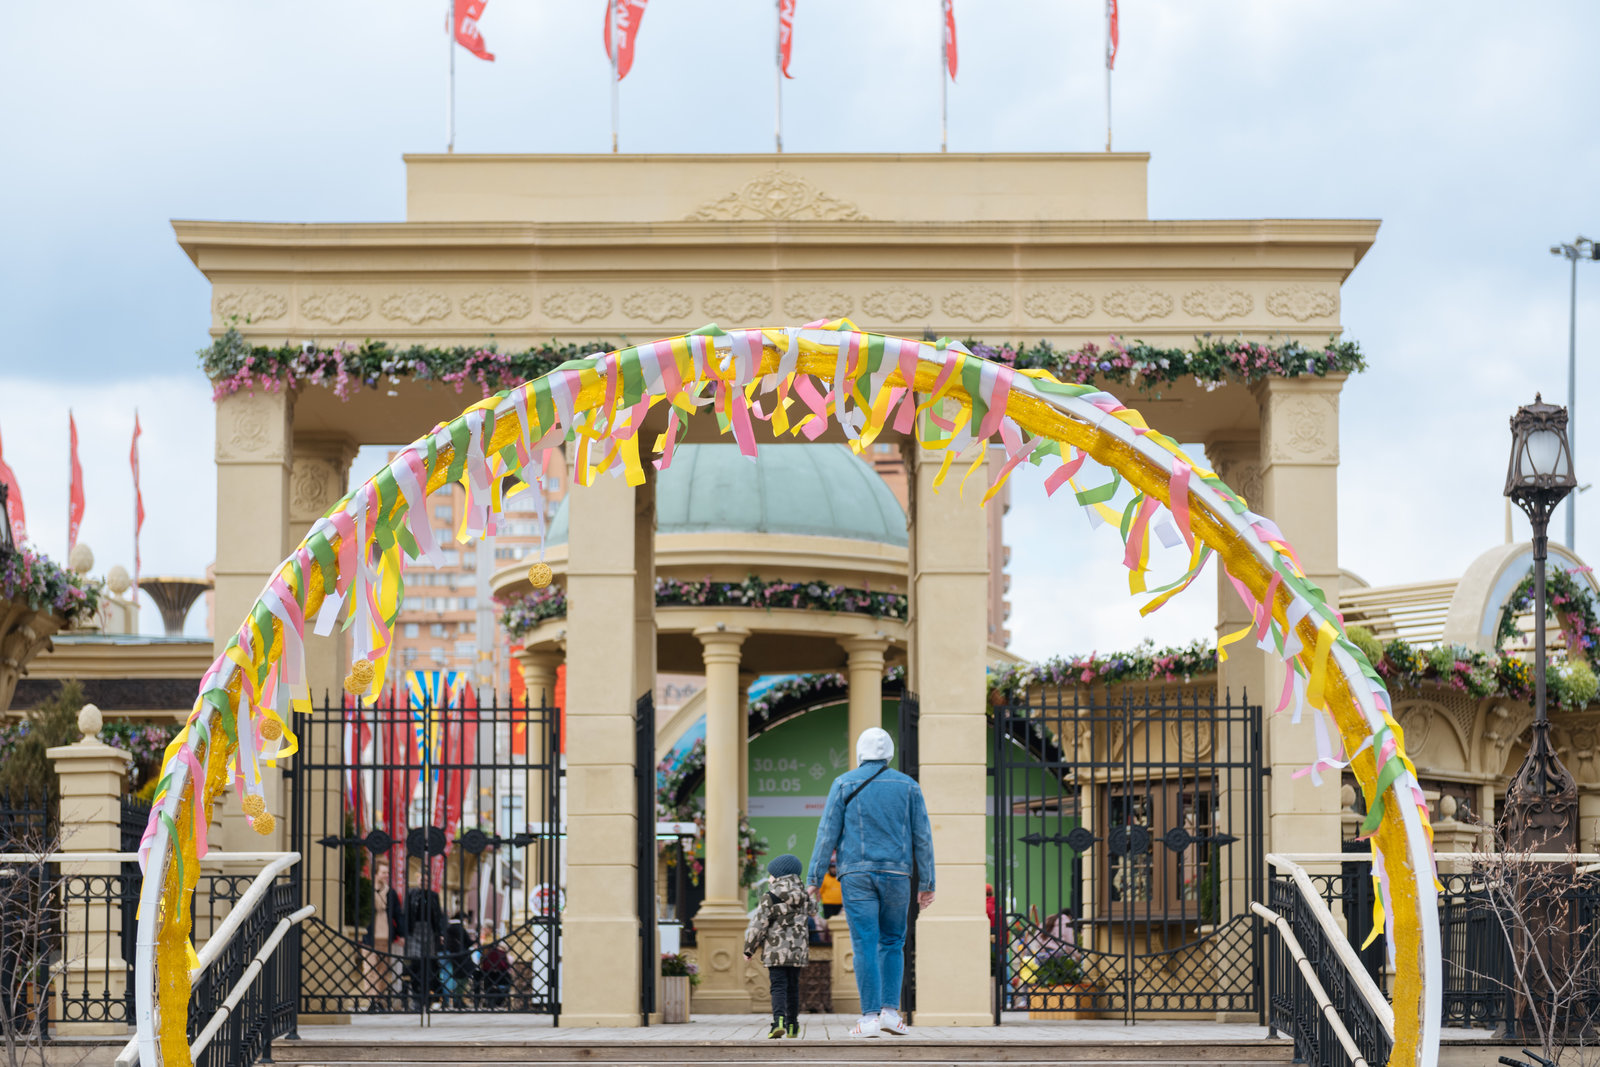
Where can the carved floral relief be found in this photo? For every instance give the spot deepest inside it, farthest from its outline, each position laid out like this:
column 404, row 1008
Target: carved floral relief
column 496, row 305
column 334, row 306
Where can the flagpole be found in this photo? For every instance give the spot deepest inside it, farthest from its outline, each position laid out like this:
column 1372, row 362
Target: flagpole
column 450, row 98
column 611, row 21
column 135, row 596
column 1108, row 74
column 777, row 71
column 944, row 76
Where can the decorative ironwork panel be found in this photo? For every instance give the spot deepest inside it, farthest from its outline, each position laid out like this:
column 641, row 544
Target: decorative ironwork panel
column 1127, row 847
column 432, row 841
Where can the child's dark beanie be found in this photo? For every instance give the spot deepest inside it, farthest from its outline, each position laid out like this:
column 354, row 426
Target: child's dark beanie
column 784, row 864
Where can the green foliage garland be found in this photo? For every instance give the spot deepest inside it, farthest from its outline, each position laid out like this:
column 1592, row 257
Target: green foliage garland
column 1567, row 600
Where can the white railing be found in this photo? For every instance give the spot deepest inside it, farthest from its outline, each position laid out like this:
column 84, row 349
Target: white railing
column 1309, row 974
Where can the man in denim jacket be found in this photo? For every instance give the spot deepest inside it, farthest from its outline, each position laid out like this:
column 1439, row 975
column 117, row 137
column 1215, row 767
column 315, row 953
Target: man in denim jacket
column 877, row 821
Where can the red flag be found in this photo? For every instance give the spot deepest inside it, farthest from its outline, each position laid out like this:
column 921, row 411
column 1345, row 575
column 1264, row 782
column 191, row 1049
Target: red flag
column 138, row 504
column 785, row 34
column 19, row 527
column 468, row 12
column 622, row 28
column 1111, row 30
column 75, row 492
column 950, row 37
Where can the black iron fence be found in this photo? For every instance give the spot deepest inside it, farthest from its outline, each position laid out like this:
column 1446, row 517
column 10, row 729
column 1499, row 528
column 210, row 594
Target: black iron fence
column 1291, row 1007
column 268, row 1009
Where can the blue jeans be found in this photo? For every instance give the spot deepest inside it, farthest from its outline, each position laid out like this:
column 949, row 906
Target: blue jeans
column 876, row 906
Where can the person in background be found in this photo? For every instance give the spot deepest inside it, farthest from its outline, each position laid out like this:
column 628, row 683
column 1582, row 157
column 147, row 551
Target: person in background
column 877, row 821
column 832, row 893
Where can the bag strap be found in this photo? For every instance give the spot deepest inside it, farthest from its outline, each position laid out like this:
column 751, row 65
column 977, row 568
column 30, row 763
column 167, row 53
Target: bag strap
column 862, row 786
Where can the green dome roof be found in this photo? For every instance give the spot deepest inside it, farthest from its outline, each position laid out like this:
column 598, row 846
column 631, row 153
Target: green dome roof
column 815, row 490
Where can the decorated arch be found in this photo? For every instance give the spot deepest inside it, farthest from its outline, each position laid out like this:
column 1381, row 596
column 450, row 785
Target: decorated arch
column 353, row 560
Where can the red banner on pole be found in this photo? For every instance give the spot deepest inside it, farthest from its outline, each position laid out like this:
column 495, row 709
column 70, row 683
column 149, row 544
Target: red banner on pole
column 622, row 23
column 75, row 490
column 19, row 526
column 950, row 37
column 138, row 504
column 467, row 14
column 785, row 34
column 1111, row 28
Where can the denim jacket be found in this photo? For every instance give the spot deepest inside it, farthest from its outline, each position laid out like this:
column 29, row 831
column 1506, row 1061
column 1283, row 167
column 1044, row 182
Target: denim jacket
column 882, row 830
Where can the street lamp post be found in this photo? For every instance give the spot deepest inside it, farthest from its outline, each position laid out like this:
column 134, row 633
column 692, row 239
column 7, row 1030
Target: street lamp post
column 1580, row 248
column 1542, row 800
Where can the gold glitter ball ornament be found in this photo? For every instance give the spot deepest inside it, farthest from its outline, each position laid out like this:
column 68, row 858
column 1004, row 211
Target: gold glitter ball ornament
column 359, row 678
column 254, row 805
column 265, row 823
column 270, row 730
column 539, row 575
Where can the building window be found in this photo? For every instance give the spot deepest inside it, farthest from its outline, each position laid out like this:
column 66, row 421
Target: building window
column 436, row 653
column 436, row 629
column 408, row 656
column 452, row 557
column 467, row 649
column 441, row 512
column 412, row 629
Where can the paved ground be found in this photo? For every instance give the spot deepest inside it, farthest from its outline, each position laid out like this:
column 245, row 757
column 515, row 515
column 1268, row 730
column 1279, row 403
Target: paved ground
column 447, row 1028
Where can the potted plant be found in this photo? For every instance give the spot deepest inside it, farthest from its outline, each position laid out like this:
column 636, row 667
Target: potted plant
column 1058, row 989
column 37, row 598
column 678, row 974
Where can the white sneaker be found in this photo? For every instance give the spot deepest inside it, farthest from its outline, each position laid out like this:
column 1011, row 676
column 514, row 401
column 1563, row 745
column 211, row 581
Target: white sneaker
column 866, row 1026
column 890, row 1022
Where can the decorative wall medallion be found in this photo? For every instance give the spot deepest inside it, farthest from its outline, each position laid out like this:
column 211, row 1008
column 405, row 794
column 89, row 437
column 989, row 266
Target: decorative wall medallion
column 252, row 426
column 496, row 305
column 335, row 306
column 1242, row 476
column 817, row 302
column 1302, row 429
column 976, row 305
column 576, row 305
column 415, row 306
column 776, row 195
column 251, row 305
column 1301, row 302
column 897, row 305
column 313, row 487
column 658, row 305
column 722, row 960
column 1058, row 304
column 1137, row 303
column 739, row 305
column 1217, row 302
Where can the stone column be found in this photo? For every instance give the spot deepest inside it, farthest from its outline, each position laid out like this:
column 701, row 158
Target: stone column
column 92, row 774
column 949, row 623
column 1300, row 492
column 600, row 927
column 319, row 475
column 719, row 924
column 254, row 455
column 539, row 678
column 865, row 673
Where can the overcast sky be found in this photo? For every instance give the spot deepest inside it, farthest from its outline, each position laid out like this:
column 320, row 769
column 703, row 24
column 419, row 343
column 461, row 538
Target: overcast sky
column 1469, row 129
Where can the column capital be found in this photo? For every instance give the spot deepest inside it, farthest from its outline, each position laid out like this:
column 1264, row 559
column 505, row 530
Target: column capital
column 864, row 650
column 721, row 644
column 533, row 659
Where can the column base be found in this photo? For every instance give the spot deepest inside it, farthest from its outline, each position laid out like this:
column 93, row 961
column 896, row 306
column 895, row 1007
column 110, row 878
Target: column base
column 719, row 933
column 571, row 1021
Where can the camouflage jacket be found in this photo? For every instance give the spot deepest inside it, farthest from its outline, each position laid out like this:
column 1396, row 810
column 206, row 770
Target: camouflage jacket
column 779, row 928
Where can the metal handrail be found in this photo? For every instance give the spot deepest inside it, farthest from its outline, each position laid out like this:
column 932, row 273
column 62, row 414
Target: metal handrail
column 237, row 993
column 1309, row 973
column 1381, row 1008
column 278, row 862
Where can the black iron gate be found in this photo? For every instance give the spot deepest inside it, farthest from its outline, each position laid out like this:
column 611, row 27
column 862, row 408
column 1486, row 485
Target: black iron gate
column 431, row 840
column 644, row 776
column 1127, row 847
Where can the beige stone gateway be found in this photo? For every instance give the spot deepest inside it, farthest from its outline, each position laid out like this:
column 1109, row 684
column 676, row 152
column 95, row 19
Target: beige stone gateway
column 522, row 249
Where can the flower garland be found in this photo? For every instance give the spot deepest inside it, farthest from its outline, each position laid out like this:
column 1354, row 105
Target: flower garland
column 1568, row 601
column 801, row 689
column 46, row 586
column 1144, row 663
column 233, row 364
column 523, row 614
column 1569, row 684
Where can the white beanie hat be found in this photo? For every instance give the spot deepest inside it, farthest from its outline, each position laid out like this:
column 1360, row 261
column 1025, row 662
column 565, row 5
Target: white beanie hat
column 874, row 743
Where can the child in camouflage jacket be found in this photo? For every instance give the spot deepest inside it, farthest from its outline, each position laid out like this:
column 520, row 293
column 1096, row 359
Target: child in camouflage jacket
column 780, row 930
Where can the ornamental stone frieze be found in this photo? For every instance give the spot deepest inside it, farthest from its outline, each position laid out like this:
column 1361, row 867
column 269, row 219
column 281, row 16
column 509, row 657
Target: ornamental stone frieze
column 737, row 305
column 576, row 305
column 658, row 305
column 495, row 305
column 1302, row 303
column 415, row 306
column 251, row 306
column 778, row 195
column 1217, row 302
column 334, row 306
column 977, row 304
column 817, row 302
column 1058, row 304
column 253, row 427
column 897, row 304
column 1301, row 427
column 1137, row 303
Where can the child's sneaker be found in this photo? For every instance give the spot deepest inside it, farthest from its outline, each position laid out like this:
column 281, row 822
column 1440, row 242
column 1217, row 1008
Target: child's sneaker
column 867, row 1026
column 777, row 1030
column 890, row 1022
column 793, row 1030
